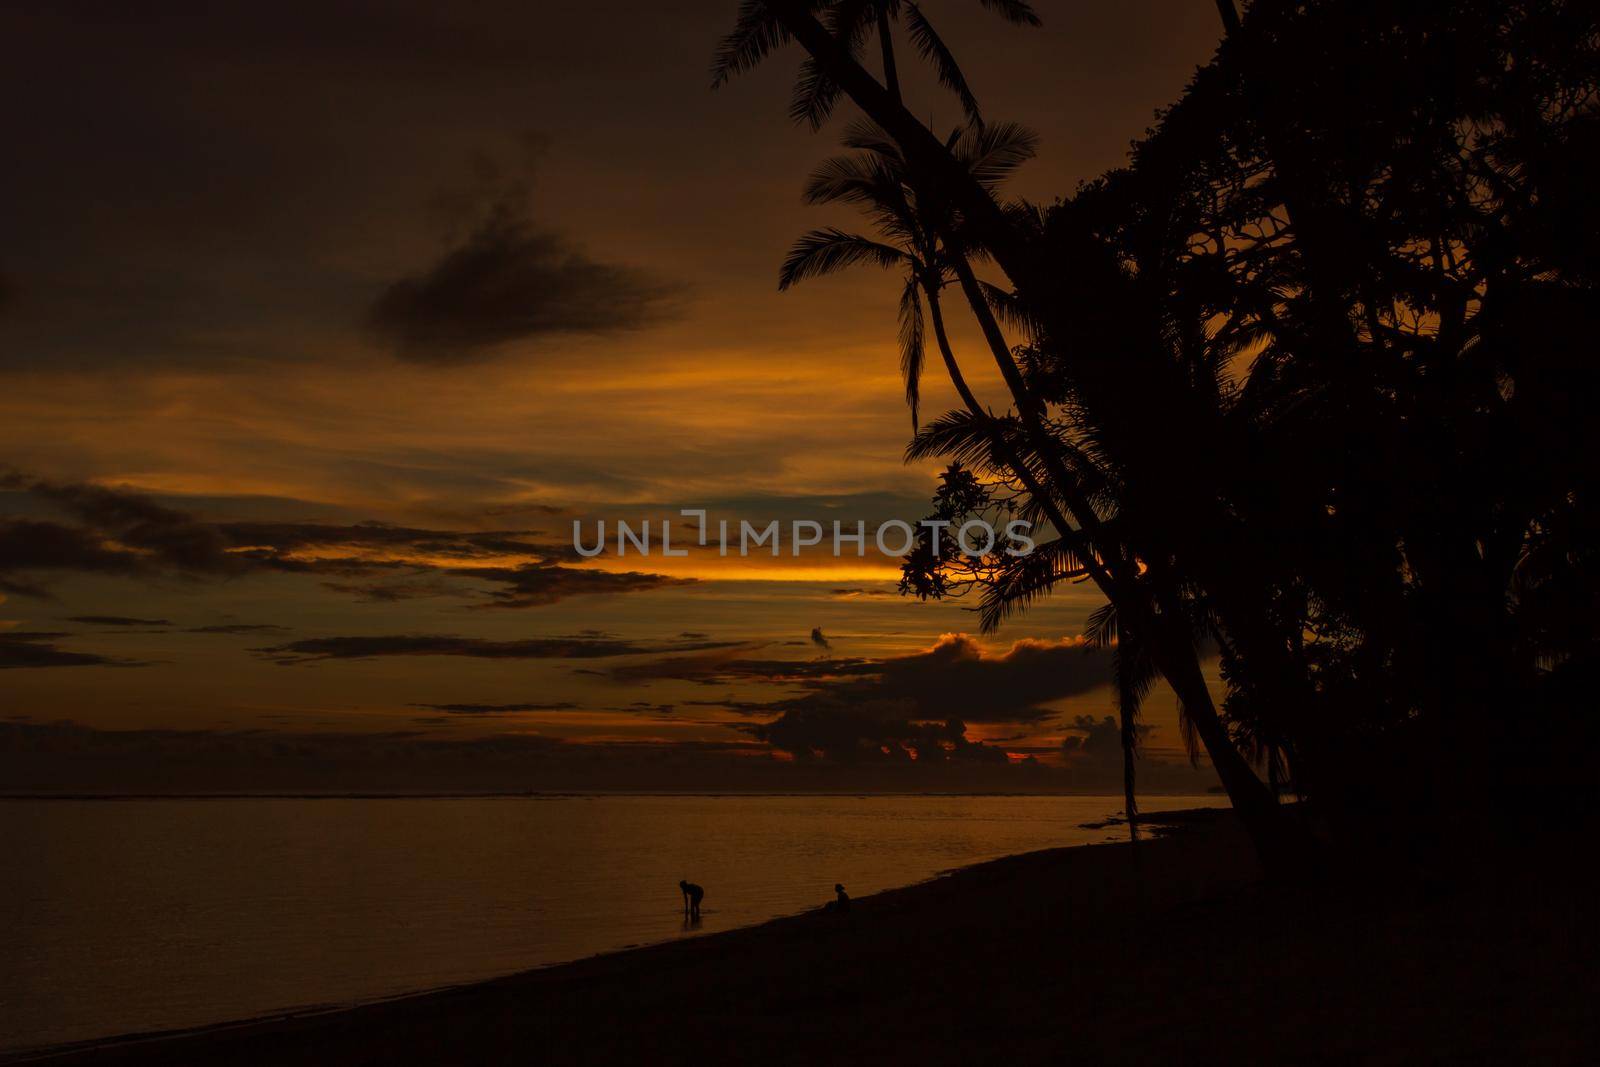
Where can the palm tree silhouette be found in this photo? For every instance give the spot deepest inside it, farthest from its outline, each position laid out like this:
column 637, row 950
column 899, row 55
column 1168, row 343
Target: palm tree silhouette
column 880, row 181
column 877, row 179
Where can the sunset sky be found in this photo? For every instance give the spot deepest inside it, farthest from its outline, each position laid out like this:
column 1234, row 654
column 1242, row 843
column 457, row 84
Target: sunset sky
column 274, row 275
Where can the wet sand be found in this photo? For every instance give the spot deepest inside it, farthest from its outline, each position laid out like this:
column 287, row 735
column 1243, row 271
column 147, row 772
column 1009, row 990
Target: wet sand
column 1171, row 952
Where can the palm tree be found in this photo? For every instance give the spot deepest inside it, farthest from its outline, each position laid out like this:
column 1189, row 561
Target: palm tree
column 877, row 180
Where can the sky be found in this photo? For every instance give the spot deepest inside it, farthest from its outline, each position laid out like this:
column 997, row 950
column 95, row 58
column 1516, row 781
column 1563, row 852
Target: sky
column 320, row 324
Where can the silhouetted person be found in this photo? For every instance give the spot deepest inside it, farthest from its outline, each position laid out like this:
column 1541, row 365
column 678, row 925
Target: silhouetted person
column 692, row 895
column 842, row 901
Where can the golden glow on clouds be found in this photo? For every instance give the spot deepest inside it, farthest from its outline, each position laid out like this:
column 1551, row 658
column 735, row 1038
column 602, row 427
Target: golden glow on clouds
column 402, row 440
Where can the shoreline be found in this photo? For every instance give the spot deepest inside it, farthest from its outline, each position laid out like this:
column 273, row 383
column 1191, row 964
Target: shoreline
column 1171, row 951
column 561, row 794
column 1161, row 823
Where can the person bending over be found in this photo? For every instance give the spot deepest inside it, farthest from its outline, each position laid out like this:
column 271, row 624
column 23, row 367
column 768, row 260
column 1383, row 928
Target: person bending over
column 692, row 895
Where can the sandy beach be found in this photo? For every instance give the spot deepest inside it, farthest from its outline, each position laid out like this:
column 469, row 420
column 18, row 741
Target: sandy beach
column 1171, row 952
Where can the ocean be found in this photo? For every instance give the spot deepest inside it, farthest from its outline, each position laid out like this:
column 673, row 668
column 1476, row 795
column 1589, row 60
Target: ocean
column 131, row 915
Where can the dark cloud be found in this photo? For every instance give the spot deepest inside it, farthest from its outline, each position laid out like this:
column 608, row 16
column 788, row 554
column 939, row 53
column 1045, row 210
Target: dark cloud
column 37, row 649
column 538, row 584
column 1097, row 741
column 576, row 647
column 512, row 280
column 238, row 628
column 722, row 662
column 427, row 559
column 496, row 510
column 281, row 538
column 125, row 533
column 496, row 709
column 753, row 708
column 117, row 620
column 901, row 708
column 955, row 679
column 822, row 728
column 158, row 536
column 854, row 733
column 119, row 533
column 394, row 592
column 28, row 546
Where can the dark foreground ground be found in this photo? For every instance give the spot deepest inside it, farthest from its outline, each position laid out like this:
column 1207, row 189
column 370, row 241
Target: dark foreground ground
column 1174, row 954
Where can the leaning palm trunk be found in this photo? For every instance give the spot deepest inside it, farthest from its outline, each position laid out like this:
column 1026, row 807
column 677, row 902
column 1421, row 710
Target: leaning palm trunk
column 1171, row 646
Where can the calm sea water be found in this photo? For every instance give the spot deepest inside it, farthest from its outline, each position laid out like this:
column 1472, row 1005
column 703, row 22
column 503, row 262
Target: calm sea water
column 127, row 915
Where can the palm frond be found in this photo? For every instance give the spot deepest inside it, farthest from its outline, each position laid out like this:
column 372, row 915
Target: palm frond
column 959, row 435
column 756, row 34
column 992, row 152
column 1135, row 674
column 1101, row 628
column 850, row 20
column 1010, row 309
column 869, row 137
column 1025, row 579
column 929, row 45
column 815, row 93
column 1014, row 11
column 858, row 179
column 822, row 252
